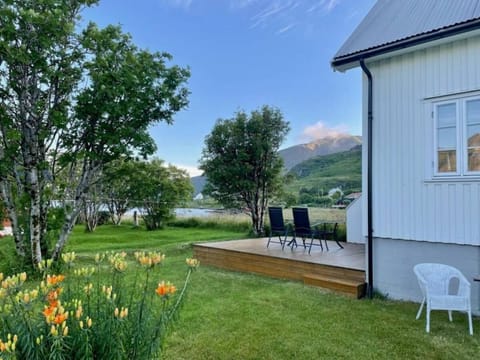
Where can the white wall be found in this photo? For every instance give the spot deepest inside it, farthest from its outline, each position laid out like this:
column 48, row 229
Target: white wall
column 393, row 262
column 407, row 203
column 354, row 222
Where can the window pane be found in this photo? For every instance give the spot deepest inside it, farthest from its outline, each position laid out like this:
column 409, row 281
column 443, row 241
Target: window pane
column 447, row 115
column 447, row 138
column 473, row 111
column 474, row 159
column 447, row 161
column 473, row 135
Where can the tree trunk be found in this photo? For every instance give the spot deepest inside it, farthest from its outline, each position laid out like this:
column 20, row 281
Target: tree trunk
column 71, row 218
column 135, row 218
column 117, row 209
column 67, row 227
column 91, row 209
column 35, row 215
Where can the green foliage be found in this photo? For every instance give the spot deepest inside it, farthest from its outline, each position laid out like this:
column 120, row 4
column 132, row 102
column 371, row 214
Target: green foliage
column 118, row 183
column 129, row 90
column 160, row 189
column 2, row 213
column 103, row 217
column 91, row 312
column 71, row 103
column 241, row 162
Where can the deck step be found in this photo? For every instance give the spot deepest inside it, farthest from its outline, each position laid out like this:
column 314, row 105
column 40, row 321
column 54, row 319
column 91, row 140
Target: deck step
column 354, row 288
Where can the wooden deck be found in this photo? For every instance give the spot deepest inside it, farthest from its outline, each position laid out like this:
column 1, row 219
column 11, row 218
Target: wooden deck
column 341, row 270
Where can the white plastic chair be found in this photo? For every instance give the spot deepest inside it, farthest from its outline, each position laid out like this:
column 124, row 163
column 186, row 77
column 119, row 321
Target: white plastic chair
column 434, row 281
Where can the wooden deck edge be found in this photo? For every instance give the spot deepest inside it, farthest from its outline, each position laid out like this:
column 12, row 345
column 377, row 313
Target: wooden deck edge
column 345, row 286
column 347, row 281
column 202, row 250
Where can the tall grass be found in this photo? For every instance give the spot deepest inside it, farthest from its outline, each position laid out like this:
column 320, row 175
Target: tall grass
column 231, row 222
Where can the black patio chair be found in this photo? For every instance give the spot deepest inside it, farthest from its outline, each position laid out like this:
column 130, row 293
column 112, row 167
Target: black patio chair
column 327, row 232
column 277, row 226
column 303, row 229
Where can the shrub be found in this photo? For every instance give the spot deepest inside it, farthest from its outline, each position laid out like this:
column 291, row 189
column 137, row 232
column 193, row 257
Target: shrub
column 103, row 217
column 77, row 315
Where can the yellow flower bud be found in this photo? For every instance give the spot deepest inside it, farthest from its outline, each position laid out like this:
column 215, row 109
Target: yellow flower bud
column 81, row 324
column 116, row 312
column 65, row 331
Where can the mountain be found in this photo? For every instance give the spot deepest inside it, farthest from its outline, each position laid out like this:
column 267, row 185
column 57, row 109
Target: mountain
column 328, row 145
column 295, row 156
column 198, row 183
column 322, row 173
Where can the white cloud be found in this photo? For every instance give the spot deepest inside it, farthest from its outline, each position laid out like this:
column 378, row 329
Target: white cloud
column 280, row 14
column 271, row 14
column 321, row 130
column 191, row 170
column 240, row 4
column 325, row 6
column 286, row 28
column 274, row 10
column 331, row 4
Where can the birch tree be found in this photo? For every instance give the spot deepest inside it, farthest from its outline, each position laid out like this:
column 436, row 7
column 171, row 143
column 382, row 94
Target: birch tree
column 69, row 104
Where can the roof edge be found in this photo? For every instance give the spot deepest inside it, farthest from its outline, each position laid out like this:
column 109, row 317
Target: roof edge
column 346, row 62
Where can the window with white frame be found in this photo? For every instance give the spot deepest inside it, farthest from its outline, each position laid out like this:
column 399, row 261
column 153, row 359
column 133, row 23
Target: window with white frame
column 457, row 137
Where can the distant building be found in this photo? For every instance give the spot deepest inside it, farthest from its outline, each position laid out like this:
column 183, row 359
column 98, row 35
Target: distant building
column 353, row 196
column 199, row 196
column 7, row 228
column 334, row 191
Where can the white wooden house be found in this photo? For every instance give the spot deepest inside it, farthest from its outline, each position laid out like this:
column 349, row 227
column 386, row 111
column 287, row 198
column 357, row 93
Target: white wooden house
column 421, row 120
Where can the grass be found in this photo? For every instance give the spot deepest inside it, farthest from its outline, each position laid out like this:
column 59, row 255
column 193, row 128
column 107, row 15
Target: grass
column 230, row 315
column 239, row 316
column 129, row 238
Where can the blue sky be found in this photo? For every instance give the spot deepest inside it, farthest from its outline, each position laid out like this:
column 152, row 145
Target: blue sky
column 244, row 54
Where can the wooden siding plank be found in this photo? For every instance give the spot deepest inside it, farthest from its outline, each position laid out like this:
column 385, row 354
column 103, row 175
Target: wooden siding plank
column 407, row 204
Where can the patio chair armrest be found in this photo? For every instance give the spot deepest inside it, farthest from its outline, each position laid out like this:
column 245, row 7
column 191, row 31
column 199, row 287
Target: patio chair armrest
column 464, row 288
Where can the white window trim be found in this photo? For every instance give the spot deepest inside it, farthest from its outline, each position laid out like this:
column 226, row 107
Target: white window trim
column 465, row 137
column 461, row 135
column 436, row 173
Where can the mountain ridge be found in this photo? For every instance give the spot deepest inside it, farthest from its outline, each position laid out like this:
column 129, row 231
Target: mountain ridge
column 298, row 154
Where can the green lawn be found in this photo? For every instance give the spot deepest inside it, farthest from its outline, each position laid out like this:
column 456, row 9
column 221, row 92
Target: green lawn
column 229, row 315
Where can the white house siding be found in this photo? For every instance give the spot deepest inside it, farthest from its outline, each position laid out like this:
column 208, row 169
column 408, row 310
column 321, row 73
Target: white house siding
column 354, row 222
column 407, row 203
